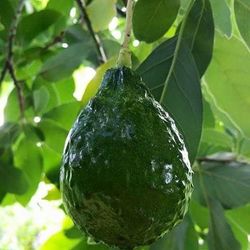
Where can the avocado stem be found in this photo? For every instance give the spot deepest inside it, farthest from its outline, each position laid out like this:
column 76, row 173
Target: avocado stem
column 124, row 58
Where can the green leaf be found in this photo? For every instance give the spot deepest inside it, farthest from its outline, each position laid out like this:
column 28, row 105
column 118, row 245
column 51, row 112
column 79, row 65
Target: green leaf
column 8, row 134
column 41, row 98
column 101, row 13
column 58, row 6
column 1, row 26
column 239, row 220
column 60, row 241
column 152, row 19
column 55, row 135
column 52, row 162
column 227, row 80
column 220, row 236
column 12, row 111
column 28, row 158
column 53, row 91
column 65, row 62
column 224, row 180
column 6, row 14
column 65, row 90
column 199, row 214
column 245, row 148
column 182, row 237
column 64, row 114
column 31, row 26
column 216, row 138
column 208, row 116
column 73, row 233
column 183, row 96
column 199, row 33
column 12, row 179
column 222, row 16
column 53, row 194
column 242, row 14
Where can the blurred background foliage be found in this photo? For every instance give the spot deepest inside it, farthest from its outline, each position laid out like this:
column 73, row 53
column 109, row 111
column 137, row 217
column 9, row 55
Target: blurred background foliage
column 53, row 55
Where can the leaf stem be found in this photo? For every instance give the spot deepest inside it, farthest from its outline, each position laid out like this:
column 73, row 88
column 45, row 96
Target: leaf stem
column 176, row 52
column 124, row 58
column 95, row 37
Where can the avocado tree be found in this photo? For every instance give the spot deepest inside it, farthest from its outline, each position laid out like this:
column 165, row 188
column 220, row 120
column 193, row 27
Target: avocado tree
column 194, row 57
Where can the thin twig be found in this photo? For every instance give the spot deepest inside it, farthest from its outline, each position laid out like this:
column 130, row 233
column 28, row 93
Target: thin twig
column 56, row 39
column 96, row 39
column 9, row 64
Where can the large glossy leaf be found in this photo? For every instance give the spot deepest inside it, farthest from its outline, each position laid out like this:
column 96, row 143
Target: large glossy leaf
column 31, row 25
column 199, row 33
column 182, row 98
column 224, row 180
column 101, row 13
column 28, row 158
column 220, row 236
column 242, row 14
column 65, row 61
column 182, row 237
column 222, row 21
column 152, row 18
column 227, row 80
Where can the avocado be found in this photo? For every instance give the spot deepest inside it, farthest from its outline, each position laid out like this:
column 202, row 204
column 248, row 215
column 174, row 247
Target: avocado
column 126, row 179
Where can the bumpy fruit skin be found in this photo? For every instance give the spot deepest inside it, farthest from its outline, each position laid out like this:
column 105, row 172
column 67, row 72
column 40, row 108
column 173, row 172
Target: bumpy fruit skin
column 126, row 178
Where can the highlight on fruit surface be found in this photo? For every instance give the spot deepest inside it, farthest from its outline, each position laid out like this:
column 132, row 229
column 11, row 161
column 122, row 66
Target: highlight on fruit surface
column 126, row 179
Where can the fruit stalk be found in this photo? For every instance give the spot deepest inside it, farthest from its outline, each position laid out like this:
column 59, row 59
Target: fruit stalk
column 124, row 58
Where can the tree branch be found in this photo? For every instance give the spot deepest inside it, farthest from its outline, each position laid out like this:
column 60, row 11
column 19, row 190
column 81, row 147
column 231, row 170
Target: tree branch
column 9, row 64
column 96, row 39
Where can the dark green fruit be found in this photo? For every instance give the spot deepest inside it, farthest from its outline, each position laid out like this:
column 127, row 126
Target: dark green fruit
column 126, row 178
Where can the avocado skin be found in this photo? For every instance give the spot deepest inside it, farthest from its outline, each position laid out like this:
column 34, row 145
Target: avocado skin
column 125, row 179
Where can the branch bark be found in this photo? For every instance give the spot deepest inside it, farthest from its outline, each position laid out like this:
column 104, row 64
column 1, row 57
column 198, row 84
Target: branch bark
column 9, row 64
column 96, row 38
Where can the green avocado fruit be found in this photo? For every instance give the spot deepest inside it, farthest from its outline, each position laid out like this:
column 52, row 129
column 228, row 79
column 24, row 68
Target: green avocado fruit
column 126, row 179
